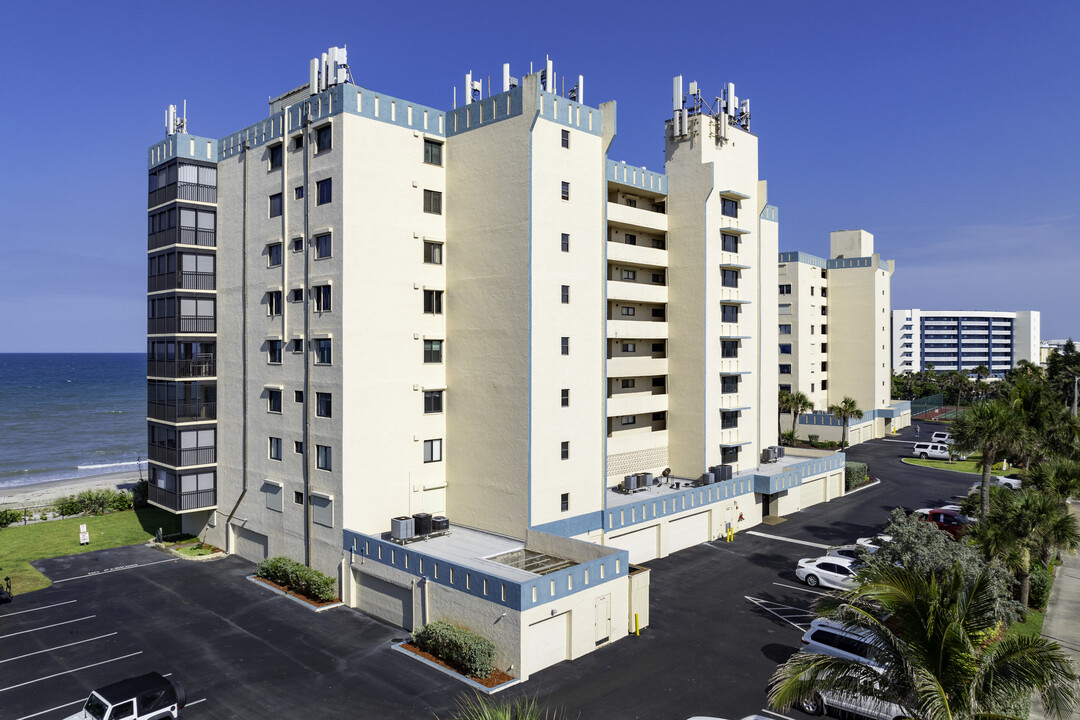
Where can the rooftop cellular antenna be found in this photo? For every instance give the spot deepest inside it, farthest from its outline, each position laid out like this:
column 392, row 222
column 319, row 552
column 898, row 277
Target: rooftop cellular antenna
column 174, row 124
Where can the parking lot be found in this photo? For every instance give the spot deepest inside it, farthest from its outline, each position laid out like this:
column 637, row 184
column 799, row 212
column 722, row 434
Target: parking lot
column 723, row 615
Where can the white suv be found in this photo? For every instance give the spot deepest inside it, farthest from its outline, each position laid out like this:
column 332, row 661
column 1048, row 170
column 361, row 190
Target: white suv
column 147, row 697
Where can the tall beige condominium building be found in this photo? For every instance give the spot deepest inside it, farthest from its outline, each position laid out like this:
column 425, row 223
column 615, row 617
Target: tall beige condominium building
column 834, row 333
column 462, row 360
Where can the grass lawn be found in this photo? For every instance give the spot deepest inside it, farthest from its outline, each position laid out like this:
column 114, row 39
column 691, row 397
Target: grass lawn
column 1032, row 625
column 22, row 544
column 972, row 465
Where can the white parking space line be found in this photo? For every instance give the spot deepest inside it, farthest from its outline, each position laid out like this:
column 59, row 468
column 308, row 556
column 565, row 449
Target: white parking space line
column 46, row 627
column 68, row 672
column 115, row 569
column 43, row 607
column 787, row 539
column 52, row 709
column 58, row 647
column 796, row 587
column 785, row 612
column 776, row 714
column 905, row 442
column 195, row 702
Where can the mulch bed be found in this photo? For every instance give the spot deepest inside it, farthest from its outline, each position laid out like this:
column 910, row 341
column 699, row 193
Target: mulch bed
column 497, row 677
column 287, row 591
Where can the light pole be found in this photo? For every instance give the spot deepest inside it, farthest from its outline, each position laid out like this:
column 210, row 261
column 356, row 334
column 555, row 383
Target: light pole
column 1076, row 380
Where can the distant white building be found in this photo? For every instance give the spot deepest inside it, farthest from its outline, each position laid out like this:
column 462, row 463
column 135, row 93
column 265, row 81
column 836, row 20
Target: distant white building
column 963, row 340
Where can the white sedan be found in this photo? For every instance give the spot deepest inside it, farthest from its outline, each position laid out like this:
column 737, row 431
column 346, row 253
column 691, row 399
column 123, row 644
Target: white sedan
column 874, row 542
column 829, row 571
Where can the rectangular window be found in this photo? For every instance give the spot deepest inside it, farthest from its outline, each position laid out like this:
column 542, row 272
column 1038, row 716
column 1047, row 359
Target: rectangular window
column 627, row 311
column 785, row 289
column 658, row 313
column 275, row 205
column 564, row 499
column 565, row 295
column 631, row 239
column 729, row 420
column 324, row 457
column 564, row 450
column 628, row 382
column 273, row 303
column 811, row 292
column 566, row 144
column 323, row 351
column 298, row 142
column 824, row 329
column 729, row 455
column 729, row 313
column 273, row 401
column 631, row 202
column 729, row 243
column 785, row 369
column 323, row 298
column 629, row 274
column 565, row 346
column 433, row 253
column 433, row 401
column 296, row 295
column 298, row 345
column 275, row 448
column 324, row 138
column 729, row 278
column 566, row 242
column 322, row 510
column 433, row 351
column 298, row 192
column 565, row 190
column 628, row 420
column 298, row 244
column 433, row 202
column 324, row 191
column 432, row 152
column 324, row 246
column 729, row 348
column 298, row 396
column 823, row 292
column 433, row 302
column 824, row 367
column 824, row 384
column 785, row 348
column 824, row 347
column 729, row 207
column 729, row 384
column 785, row 329
column 273, row 352
column 324, row 404
column 275, row 152
column 298, row 447
column 433, row 450
column 298, row 497
column 565, row 400
column 824, row 310
column 629, row 347
column 785, row 387
column 658, row 278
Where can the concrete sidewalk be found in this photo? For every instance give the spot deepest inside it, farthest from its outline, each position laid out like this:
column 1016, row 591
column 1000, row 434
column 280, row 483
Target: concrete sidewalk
column 1062, row 623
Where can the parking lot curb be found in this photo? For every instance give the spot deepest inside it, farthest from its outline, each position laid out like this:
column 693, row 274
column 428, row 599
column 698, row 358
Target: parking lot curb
column 398, row 647
column 867, row 486
column 304, row 603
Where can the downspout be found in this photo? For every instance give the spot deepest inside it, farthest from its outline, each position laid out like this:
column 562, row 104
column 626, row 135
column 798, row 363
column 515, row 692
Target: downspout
column 307, row 350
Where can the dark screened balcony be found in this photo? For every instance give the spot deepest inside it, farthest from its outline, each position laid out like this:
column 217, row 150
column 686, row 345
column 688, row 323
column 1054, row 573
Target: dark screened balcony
column 184, row 491
column 193, row 368
column 182, row 501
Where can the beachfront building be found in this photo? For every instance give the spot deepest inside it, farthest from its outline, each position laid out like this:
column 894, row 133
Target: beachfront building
column 834, row 337
column 963, row 340
column 469, row 364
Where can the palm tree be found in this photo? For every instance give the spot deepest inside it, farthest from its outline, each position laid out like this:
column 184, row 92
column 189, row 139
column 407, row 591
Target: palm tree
column 799, row 404
column 1056, row 476
column 933, row 644
column 990, row 427
column 784, row 406
column 845, row 411
column 980, row 371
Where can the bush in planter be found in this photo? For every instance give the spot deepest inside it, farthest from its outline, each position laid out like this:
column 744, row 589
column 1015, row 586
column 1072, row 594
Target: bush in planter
column 298, row 578
column 814, row 438
column 140, row 494
column 10, row 517
column 70, row 505
column 854, row 475
column 119, row 500
column 460, row 648
column 276, row 569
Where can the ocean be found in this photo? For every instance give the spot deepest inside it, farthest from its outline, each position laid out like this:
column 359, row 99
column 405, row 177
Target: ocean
column 70, row 415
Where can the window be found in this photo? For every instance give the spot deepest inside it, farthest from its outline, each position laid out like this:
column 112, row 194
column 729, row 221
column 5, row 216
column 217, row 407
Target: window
column 324, row 138
column 729, row 207
column 433, row 401
column 729, row 455
column 298, row 396
column 565, row 190
column 823, row 292
column 565, row 294
column 658, row 278
column 565, row 400
column 323, row 298
column 729, row 243
column 274, row 496
column 322, row 510
column 433, row 302
column 824, row 347
column 785, row 369
column 785, row 387
column 275, row 448
column 273, row 401
column 432, row 152
column 433, row 253
column 629, row 347
column 433, row 351
column 785, row 289
column 824, row 329
column 324, row 404
column 629, row 274
column 631, row 202
column 323, row 351
column 298, row 142
column 628, row 382
column 323, row 246
column 631, row 239
column 566, row 144
column 298, row 497
column 784, row 309
column 273, row 303
column 824, row 384
column 298, row 192
column 729, row 348
column 433, row 202
column 658, row 313
column 275, row 156
column 659, row 416
column 729, row 420
column 729, row 278
column 824, row 310
column 628, row 420
column 627, row 311
column 785, row 329
column 564, row 450
column 658, row 347
column 729, row 384
column 273, row 352
column 298, row 345
column 298, row 447
column 296, row 295
column 275, row 205
column 824, row 367
column 785, row 348
column 729, row 313
column 566, row 242
column 324, row 191
column 298, row 244
column 811, row 292
column 433, row 451
column 565, row 346
column 324, row 457
column 564, row 499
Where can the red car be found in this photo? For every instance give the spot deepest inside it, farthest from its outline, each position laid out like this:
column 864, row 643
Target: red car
column 950, row 521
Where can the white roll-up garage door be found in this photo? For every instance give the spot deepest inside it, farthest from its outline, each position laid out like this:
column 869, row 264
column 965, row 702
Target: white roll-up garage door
column 384, row 600
column 548, row 642
column 688, row 531
column 250, row 545
column 641, row 544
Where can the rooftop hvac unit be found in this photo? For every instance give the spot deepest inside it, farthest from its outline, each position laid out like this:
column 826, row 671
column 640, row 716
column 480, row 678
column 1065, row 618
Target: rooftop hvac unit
column 423, row 523
column 725, row 473
column 779, row 450
column 647, row 479
column 402, row 528
column 440, row 524
column 767, row 455
column 708, row 478
column 630, row 483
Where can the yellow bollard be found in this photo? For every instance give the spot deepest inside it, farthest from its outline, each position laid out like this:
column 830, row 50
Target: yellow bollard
column 637, row 625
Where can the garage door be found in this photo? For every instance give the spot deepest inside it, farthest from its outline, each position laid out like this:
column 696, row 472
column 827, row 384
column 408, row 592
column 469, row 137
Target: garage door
column 813, row 492
column 548, row 642
column 250, row 545
column 384, row 600
column 641, row 544
column 688, row 531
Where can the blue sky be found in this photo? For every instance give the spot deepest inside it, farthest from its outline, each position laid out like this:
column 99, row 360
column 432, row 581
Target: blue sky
column 947, row 129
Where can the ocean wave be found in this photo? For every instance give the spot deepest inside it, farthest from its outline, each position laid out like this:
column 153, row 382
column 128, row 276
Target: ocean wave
column 119, row 465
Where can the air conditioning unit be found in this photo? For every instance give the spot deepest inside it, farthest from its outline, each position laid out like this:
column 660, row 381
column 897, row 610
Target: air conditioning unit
column 402, row 528
column 630, row 482
column 440, row 524
column 647, row 479
column 708, row 478
column 768, row 455
column 725, row 473
column 422, row 523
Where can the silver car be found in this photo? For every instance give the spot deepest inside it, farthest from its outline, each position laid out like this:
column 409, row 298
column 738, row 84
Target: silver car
column 830, row 571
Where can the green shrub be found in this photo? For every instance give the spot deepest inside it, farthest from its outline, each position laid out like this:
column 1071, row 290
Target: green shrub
column 1040, row 586
column 70, row 505
column 813, row 438
column 116, row 500
column 462, row 649
column 140, row 495
column 298, row 578
column 854, row 475
column 276, row 569
column 10, row 517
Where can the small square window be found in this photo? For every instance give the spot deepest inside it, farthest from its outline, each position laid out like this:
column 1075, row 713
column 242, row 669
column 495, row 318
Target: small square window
column 324, row 138
column 298, row 396
column 433, row 302
column 323, row 246
column 564, row 499
column 565, row 400
column 273, row 352
column 324, row 457
column 275, row 205
column 565, row 343
column 298, row 447
column 273, row 255
column 566, row 138
column 298, row 244
column 565, row 294
column 433, row 401
column 630, row 239
column 629, row 347
column 298, row 192
column 275, row 153
column 628, row 382
column 433, row 451
column 296, row 295
column 627, row 311
column 433, row 202
column 565, row 190
column 297, row 345
column 566, row 242
column 729, row 207
column 298, row 142
column 433, row 253
column 564, row 449
column 324, row 405
column 324, row 191
column 432, row 351
column 433, row 152
column 628, row 420
column 273, row 401
column 298, row 497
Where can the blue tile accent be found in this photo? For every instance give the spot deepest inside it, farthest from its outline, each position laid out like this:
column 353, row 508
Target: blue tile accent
column 635, row 177
column 771, row 213
column 180, row 146
column 481, row 113
column 801, row 257
column 577, row 525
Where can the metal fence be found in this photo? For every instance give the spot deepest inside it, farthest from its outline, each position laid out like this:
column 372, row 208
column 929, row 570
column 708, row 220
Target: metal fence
column 926, row 404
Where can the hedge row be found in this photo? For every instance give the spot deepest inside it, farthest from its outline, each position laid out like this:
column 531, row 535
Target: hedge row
column 95, row 502
column 462, row 649
column 855, row 475
column 9, row 517
column 298, row 578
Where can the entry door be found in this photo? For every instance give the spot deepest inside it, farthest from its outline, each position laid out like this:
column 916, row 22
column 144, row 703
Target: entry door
column 603, row 619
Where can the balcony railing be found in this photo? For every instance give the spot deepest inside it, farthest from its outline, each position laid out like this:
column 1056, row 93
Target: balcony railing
column 179, row 502
column 182, row 411
column 199, row 367
column 177, row 457
column 182, row 191
column 182, row 236
column 181, row 281
column 183, row 324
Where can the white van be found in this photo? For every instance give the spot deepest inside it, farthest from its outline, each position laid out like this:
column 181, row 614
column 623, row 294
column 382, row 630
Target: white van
column 931, row 450
column 941, row 437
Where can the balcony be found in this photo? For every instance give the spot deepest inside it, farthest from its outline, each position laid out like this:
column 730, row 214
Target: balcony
column 639, row 366
column 182, row 501
column 637, row 255
column 182, row 191
column 641, row 219
column 194, row 368
column 637, row 291
column 637, row 330
column 731, row 365
column 177, row 457
column 181, row 281
column 182, row 324
column 639, row 403
column 182, row 411
column 182, row 236
column 623, row 441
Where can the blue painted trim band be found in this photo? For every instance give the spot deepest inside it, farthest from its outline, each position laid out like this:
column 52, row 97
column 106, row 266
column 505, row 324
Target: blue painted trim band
column 635, row 177
column 577, row 525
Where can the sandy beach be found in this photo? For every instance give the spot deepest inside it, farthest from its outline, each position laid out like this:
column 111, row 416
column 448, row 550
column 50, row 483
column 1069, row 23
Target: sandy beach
column 45, row 493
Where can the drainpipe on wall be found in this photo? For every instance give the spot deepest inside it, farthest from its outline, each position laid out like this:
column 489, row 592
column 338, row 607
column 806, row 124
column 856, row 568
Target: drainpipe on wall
column 305, row 465
column 243, row 355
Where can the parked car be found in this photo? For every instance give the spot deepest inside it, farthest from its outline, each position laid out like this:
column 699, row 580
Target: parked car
column 854, row 703
column 934, row 451
column 873, row 542
column 951, row 521
column 147, row 697
column 829, row 571
column 941, row 437
column 995, row 481
column 830, row 637
column 844, row 551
